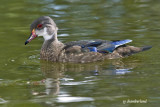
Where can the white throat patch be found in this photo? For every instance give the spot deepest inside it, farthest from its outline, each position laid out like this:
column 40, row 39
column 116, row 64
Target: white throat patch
column 46, row 36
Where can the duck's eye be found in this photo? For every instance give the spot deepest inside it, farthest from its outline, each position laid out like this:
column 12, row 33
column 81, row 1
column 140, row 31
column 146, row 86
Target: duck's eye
column 39, row 26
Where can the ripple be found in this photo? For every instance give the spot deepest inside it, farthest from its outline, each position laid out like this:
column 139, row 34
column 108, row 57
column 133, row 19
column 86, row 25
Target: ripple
column 69, row 81
column 77, row 83
column 2, row 101
column 122, row 71
column 111, row 98
column 57, row 7
column 63, row 35
column 73, row 99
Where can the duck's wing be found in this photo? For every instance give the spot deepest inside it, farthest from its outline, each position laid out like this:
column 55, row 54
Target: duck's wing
column 102, row 46
column 84, row 43
column 82, row 46
column 110, row 46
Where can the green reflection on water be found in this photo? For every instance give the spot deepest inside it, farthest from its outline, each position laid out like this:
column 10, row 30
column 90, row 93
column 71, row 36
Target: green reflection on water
column 24, row 81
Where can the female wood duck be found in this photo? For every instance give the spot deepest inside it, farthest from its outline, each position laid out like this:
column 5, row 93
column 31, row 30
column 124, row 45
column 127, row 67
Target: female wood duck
column 82, row 51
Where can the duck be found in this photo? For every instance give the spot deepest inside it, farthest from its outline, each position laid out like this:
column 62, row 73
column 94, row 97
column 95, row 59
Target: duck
column 82, row 51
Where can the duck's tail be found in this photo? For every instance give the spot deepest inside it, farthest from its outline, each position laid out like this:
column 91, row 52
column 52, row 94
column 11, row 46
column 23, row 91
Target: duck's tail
column 129, row 50
column 146, row 48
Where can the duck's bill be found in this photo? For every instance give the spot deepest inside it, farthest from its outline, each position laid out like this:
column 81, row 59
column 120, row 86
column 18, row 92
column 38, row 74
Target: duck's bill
column 32, row 36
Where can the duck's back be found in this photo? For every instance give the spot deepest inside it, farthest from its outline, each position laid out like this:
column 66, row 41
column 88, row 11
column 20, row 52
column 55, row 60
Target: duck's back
column 79, row 51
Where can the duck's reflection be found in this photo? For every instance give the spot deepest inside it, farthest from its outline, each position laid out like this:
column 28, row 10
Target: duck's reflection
column 58, row 75
column 53, row 72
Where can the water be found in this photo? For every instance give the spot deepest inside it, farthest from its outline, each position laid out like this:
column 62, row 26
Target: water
column 26, row 81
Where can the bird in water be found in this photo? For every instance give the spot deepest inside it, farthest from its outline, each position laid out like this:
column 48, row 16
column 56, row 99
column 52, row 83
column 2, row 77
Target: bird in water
column 82, row 51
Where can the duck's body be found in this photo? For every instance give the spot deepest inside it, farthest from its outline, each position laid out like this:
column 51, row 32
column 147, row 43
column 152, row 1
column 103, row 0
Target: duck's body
column 77, row 51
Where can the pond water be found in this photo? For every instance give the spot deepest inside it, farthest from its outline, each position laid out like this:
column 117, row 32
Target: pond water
column 26, row 81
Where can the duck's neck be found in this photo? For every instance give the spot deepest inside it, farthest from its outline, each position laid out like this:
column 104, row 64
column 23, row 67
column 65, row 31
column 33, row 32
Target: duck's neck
column 51, row 49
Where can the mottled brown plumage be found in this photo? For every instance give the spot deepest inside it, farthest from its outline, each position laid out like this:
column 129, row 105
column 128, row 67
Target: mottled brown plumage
column 75, row 51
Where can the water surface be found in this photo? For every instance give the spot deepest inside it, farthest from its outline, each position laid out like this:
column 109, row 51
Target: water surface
column 25, row 80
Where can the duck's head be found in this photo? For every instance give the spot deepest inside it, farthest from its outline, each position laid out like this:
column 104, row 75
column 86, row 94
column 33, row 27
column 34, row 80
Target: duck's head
column 43, row 26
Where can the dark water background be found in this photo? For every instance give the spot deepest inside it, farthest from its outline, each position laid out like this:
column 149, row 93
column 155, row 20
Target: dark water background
column 25, row 81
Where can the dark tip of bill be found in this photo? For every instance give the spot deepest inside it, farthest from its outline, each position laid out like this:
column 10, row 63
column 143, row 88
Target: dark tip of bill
column 26, row 42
